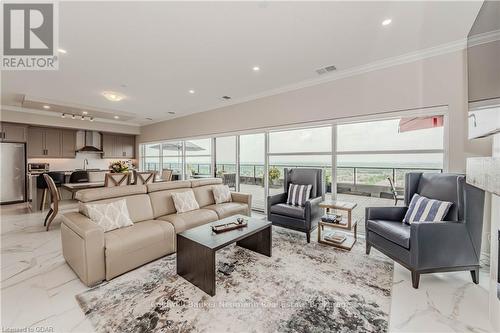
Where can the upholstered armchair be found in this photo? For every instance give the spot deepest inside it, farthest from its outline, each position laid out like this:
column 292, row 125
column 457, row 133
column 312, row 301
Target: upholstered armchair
column 428, row 247
column 296, row 217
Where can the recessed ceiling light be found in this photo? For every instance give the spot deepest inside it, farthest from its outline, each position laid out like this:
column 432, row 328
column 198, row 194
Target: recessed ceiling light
column 46, row 107
column 116, row 117
column 73, row 116
column 191, row 91
column 149, row 118
column 85, row 113
column 171, row 112
column 113, row 96
column 82, row 118
column 256, row 68
column 386, row 22
column 91, row 118
column 226, row 97
column 63, row 51
column 63, row 115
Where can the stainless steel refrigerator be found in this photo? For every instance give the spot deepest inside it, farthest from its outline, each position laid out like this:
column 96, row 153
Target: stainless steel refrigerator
column 12, row 172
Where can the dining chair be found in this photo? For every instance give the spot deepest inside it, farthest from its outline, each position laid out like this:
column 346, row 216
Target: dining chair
column 55, row 197
column 57, row 177
column 144, row 177
column 116, row 179
column 166, row 175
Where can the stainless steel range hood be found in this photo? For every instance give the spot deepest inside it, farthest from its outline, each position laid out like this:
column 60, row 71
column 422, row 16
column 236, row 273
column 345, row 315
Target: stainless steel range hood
column 91, row 142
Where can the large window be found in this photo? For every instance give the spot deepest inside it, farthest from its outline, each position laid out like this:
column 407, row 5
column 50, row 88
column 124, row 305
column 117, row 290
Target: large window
column 360, row 158
column 299, row 148
column 369, row 153
column 198, row 158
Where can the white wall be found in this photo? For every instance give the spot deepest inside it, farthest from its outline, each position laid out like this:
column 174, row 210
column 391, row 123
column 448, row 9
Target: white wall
column 436, row 81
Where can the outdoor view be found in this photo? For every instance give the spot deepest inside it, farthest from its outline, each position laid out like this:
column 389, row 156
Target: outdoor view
column 367, row 155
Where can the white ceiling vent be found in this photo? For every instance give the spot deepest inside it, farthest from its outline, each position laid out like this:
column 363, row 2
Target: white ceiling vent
column 326, row 69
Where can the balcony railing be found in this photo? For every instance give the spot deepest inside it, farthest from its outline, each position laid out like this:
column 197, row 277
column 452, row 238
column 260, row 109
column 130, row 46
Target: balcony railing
column 346, row 175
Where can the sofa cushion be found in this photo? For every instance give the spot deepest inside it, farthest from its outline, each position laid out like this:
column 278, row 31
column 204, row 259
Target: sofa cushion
column 110, row 216
column 204, row 195
column 221, row 194
column 185, row 201
column 139, row 206
column 289, row 210
column 190, row 219
column 129, row 247
column 394, row 231
column 228, row 209
column 162, row 201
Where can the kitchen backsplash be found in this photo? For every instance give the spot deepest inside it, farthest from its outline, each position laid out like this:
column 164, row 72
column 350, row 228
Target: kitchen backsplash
column 64, row 164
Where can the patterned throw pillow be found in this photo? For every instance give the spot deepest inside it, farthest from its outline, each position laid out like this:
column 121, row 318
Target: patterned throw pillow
column 221, row 194
column 110, row 216
column 298, row 194
column 423, row 209
column 184, row 201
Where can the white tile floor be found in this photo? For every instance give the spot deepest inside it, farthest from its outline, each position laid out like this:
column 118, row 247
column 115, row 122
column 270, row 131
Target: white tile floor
column 38, row 288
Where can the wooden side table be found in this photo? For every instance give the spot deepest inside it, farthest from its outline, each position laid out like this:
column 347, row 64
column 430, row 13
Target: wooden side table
column 349, row 242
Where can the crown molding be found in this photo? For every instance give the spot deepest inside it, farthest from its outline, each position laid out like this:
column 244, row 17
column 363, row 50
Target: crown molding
column 487, row 37
column 340, row 74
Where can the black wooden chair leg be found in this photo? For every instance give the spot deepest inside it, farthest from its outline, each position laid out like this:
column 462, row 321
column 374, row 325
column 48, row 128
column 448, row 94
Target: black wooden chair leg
column 475, row 275
column 308, row 236
column 415, row 279
column 368, row 248
column 51, row 219
column 47, row 217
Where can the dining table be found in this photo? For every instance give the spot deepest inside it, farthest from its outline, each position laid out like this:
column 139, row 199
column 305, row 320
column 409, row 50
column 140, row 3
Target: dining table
column 75, row 187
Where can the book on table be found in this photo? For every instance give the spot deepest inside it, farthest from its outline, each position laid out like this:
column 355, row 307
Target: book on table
column 335, row 237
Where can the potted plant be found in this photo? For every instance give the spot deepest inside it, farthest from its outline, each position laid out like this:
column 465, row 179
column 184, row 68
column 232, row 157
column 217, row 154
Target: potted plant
column 118, row 167
column 274, row 175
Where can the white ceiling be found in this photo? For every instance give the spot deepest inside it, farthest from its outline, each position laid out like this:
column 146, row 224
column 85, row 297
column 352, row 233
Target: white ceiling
column 159, row 50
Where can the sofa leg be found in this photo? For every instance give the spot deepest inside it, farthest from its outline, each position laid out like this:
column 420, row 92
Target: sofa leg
column 475, row 275
column 415, row 279
column 368, row 248
column 308, row 236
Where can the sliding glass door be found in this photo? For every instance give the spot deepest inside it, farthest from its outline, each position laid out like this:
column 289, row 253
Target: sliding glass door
column 225, row 160
column 252, row 151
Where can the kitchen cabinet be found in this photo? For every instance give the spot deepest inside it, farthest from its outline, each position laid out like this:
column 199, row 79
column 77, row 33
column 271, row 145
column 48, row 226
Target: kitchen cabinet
column 12, row 132
column 118, row 146
column 68, row 144
column 36, row 142
column 51, row 142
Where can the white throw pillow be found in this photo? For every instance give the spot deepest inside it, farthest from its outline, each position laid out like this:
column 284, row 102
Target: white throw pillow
column 184, row 201
column 110, row 216
column 221, row 194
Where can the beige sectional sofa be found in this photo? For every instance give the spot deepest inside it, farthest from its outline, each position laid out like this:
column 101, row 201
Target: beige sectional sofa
column 96, row 255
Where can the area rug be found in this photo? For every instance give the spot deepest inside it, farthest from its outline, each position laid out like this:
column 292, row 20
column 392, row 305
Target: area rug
column 301, row 288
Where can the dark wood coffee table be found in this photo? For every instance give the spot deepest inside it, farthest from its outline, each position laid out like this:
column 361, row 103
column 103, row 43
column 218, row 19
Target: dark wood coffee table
column 196, row 248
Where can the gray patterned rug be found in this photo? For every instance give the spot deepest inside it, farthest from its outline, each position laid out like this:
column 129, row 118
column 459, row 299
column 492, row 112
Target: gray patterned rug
column 302, row 288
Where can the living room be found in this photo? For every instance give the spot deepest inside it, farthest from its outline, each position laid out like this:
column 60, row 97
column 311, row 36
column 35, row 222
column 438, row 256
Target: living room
column 250, row 166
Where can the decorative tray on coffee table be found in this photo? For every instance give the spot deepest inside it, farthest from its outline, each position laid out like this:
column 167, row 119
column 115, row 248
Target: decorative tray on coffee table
column 228, row 226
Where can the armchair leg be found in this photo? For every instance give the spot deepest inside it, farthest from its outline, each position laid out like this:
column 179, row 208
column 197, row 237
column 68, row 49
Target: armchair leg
column 368, row 248
column 308, row 236
column 475, row 275
column 415, row 279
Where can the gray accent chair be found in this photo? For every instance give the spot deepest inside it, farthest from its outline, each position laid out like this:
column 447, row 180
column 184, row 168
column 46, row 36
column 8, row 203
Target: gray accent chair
column 429, row 247
column 298, row 218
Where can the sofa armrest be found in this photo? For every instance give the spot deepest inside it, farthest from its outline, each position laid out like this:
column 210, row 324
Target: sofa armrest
column 441, row 244
column 243, row 198
column 83, row 247
column 385, row 213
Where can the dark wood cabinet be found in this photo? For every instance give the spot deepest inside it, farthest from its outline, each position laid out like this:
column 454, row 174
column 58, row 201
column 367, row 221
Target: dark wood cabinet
column 118, row 146
column 12, row 132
